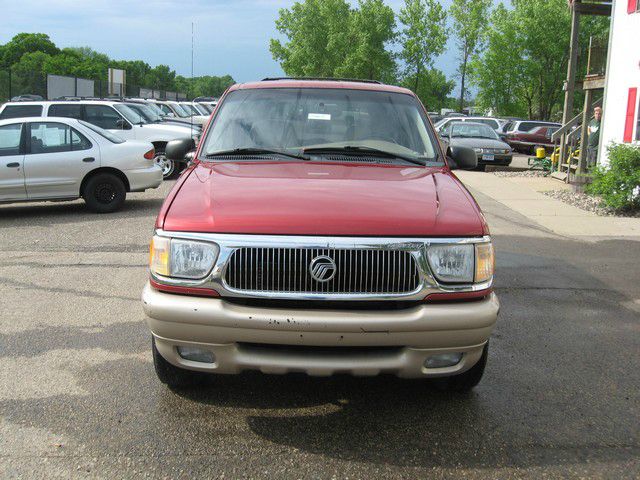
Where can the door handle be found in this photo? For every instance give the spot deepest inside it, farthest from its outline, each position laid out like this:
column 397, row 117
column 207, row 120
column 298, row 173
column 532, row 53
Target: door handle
column 88, row 159
column 13, row 164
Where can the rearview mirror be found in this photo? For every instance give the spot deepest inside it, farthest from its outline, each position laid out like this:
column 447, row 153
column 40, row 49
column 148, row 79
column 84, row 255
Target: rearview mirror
column 177, row 149
column 462, row 158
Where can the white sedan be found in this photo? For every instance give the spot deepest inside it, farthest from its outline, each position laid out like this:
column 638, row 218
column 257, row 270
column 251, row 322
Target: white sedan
column 51, row 158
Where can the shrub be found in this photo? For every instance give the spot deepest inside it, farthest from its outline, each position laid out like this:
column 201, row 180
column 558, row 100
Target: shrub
column 619, row 183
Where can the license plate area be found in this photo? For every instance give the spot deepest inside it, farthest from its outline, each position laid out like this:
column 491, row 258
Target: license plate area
column 488, row 156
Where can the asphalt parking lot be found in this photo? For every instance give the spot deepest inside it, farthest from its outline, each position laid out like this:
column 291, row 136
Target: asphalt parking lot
column 79, row 398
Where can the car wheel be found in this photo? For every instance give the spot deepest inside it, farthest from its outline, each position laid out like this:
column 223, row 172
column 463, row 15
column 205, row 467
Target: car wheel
column 168, row 166
column 469, row 379
column 173, row 376
column 104, row 193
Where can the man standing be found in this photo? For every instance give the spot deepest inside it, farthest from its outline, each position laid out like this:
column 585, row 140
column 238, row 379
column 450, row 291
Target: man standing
column 594, row 137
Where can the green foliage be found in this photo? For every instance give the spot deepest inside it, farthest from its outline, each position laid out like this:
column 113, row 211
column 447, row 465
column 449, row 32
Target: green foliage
column 470, row 19
column 317, row 33
column 619, row 184
column 32, row 56
column 434, row 89
column 23, row 43
column 423, row 37
column 530, row 42
column 371, row 28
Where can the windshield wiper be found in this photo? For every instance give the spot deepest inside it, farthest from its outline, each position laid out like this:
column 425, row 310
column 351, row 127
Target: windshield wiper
column 363, row 149
column 254, row 151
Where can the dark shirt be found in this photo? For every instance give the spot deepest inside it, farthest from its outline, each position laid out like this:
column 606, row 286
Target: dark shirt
column 594, row 133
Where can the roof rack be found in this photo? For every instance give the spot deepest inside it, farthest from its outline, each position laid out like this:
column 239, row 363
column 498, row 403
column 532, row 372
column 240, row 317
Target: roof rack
column 327, row 79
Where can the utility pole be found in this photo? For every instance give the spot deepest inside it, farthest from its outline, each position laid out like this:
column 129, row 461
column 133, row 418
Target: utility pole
column 567, row 113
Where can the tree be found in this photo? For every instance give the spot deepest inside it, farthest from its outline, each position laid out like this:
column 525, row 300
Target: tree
column 434, row 89
column 424, row 36
column 317, row 33
column 29, row 74
column 522, row 69
column 371, row 28
column 26, row 43
column 161, row 77
column 470, row 19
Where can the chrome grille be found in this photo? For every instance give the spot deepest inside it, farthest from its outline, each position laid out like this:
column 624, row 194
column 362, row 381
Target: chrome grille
column 286, row 270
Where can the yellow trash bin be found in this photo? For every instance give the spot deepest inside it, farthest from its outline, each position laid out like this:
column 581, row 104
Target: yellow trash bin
column 541, row 152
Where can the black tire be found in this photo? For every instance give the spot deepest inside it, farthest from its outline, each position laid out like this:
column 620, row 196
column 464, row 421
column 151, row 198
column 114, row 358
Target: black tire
column 168, row 166
column 104, row 193
column 173, row 376
column 469, row 379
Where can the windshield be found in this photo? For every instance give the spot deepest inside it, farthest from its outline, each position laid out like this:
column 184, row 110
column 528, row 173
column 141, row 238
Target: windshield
column 206, row 108
column 129, row 114
column 180, row 111
column 296, row 119
column 190, row 109
column 472, row 130
column 103, row 133
column 147, row 115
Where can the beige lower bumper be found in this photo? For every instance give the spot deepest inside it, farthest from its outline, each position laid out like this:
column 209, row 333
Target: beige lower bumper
column 231, row 332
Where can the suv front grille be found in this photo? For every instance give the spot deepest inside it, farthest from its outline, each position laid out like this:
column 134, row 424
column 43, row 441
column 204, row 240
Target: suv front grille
column 288, row 270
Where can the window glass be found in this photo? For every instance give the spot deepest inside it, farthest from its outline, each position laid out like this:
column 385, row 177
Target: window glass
column 103, row 116
column 65, row 110
column 487, row 121
column 103, row 133
column 205, row 107
column 165, row 109
column 79, row 141
column 297, row 118
column 18, row 111
column 130, row 114
column 472, row 130
column 10, row 139
column 50, row 137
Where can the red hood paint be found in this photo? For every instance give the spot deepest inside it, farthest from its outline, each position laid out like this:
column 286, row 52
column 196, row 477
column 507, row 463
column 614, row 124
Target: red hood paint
column 310, row 198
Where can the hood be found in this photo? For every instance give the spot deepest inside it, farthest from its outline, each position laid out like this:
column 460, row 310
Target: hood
column 478, row 143
column 305, row 198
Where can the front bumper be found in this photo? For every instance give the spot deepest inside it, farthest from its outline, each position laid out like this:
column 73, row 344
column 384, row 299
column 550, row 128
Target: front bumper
column 141, row 179
column 251, row 338
column 497, row 160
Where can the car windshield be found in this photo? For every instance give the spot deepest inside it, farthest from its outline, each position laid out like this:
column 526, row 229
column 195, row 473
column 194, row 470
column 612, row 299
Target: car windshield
column 190, row 108
column 129, row 114
column 205, row 107
column 295, row 120
column 145, row 112
column 180, row 111
column 472, row 130
column 102, row 132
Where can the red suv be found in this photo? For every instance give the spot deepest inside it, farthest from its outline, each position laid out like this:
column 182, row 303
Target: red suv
column 320, row 229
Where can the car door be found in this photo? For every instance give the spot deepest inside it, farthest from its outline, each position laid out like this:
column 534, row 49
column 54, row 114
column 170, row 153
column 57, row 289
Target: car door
column 57, row 159
column 105, row 116
column 12, row 162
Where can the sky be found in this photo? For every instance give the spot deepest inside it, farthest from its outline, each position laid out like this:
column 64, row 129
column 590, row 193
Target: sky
column 231, row 37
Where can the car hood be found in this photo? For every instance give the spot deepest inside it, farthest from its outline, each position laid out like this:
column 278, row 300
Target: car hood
column 179, row 130
column 295, row 198
column 477, row 143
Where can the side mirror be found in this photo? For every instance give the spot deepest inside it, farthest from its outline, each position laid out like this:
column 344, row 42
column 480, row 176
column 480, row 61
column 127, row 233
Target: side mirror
column 176, row 150
column 464, row 158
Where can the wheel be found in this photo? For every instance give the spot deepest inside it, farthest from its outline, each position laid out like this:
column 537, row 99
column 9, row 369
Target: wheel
column 469, row 379
column 104, row 193
column 173, row 376
column 168, row 166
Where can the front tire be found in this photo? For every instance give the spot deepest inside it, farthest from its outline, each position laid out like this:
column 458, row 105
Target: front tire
column 172, row 376
column 168, row 166
column 464, row 382
column 104, row 193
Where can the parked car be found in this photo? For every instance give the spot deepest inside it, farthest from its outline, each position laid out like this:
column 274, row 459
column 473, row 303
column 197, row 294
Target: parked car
column 320, row 230
column 526, row 135
column 177, row 110
column 494, row 123
column 54, row 158
column 485, row 142
column 159, row 116
column 27, row 97
column 112, row 116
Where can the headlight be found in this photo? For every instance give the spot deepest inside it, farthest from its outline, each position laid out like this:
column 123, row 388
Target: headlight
column 181, row 258
column 477, row 150
column 466, row 263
